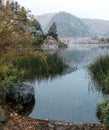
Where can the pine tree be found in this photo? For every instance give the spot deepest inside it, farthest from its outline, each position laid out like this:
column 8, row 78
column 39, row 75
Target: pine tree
column 37, row 25
column 53, row 31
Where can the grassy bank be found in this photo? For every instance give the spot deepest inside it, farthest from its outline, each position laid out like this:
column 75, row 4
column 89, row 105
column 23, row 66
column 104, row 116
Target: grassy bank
column 39, row 66
column 34, row 65
column 100, row 73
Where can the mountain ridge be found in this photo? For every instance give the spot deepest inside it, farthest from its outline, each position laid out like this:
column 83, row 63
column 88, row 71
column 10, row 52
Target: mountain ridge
column 93, row 27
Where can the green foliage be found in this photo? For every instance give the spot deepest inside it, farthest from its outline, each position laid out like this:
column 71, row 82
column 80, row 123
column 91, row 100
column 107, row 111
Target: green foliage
column 37, row 25
column 8, row 76
column 39, row 39
column 18, row 33
column 12, row 22
column 53, row 31
column 100, row 72
column 103, row 111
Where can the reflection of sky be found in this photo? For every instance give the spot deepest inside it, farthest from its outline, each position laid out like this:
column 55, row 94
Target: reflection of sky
column 69, row 97
column 82, row 55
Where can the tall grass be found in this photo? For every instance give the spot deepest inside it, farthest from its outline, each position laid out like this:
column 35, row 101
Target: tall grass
column 100, row 72
column 32, row 67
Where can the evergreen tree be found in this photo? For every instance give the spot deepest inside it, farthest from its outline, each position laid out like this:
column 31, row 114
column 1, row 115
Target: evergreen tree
column 53, row 31
column 12, row 6
column 16, row 5
column 23, row 14
column 37, row 25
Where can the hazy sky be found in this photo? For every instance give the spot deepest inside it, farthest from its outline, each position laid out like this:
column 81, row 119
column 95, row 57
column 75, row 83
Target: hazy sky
column 98, row 9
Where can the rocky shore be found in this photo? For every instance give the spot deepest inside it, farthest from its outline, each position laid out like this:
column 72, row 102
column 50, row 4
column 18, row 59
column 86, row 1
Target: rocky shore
column 13, row 121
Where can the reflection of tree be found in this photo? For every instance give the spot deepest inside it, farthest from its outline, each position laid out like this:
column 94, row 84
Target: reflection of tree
column 95, row 85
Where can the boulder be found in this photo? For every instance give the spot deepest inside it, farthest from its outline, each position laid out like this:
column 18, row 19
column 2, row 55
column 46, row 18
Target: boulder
column 2, row 119
column 27, row 108
column 21, row 93
column 50, row 44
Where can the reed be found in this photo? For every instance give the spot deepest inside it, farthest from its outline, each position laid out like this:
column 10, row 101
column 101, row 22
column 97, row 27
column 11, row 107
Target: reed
column 33, row 67
column 100, row 73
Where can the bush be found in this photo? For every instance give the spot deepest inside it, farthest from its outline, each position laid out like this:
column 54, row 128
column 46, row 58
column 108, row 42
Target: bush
column 103, row 111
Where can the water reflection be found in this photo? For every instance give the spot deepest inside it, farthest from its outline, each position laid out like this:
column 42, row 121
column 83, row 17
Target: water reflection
column 71, row 96
column 97, row 86
column 66, row 98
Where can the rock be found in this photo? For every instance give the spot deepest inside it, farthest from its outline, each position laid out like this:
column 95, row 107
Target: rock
column 20, row 93
column 50, row 44
column 2, row 119
column 27, row 108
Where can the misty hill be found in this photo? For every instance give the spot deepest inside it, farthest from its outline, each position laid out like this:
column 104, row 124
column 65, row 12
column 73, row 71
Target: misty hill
column 97, row 26
column 67, row 25
column 44, row 19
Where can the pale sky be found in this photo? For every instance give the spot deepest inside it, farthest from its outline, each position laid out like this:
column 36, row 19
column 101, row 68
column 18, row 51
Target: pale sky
column 96, row 9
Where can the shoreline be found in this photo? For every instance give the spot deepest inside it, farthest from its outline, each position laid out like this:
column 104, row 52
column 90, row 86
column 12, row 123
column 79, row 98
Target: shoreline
column 18, row 122
column 13, row 121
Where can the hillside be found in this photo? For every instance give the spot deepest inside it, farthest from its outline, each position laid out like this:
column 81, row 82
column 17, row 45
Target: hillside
column 70, row 26
column 44, row 19
column 67, row 25
column 97, row 26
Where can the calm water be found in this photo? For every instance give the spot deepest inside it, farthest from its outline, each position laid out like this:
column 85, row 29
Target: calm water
column 71, row 97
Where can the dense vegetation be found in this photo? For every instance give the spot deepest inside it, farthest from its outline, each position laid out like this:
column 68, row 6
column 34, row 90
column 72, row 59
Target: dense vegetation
column 103, row 111
column 20, row 34
column 100, row 72
column 42, row 66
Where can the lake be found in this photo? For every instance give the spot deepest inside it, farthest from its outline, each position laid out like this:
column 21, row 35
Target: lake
column 73, row 96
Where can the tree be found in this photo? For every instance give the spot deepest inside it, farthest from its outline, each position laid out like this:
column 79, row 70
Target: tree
column 53, row 31
column 37, row 25
column 12, row 33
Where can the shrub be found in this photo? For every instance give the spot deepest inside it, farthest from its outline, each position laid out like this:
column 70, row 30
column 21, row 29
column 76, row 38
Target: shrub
column 103, row 111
